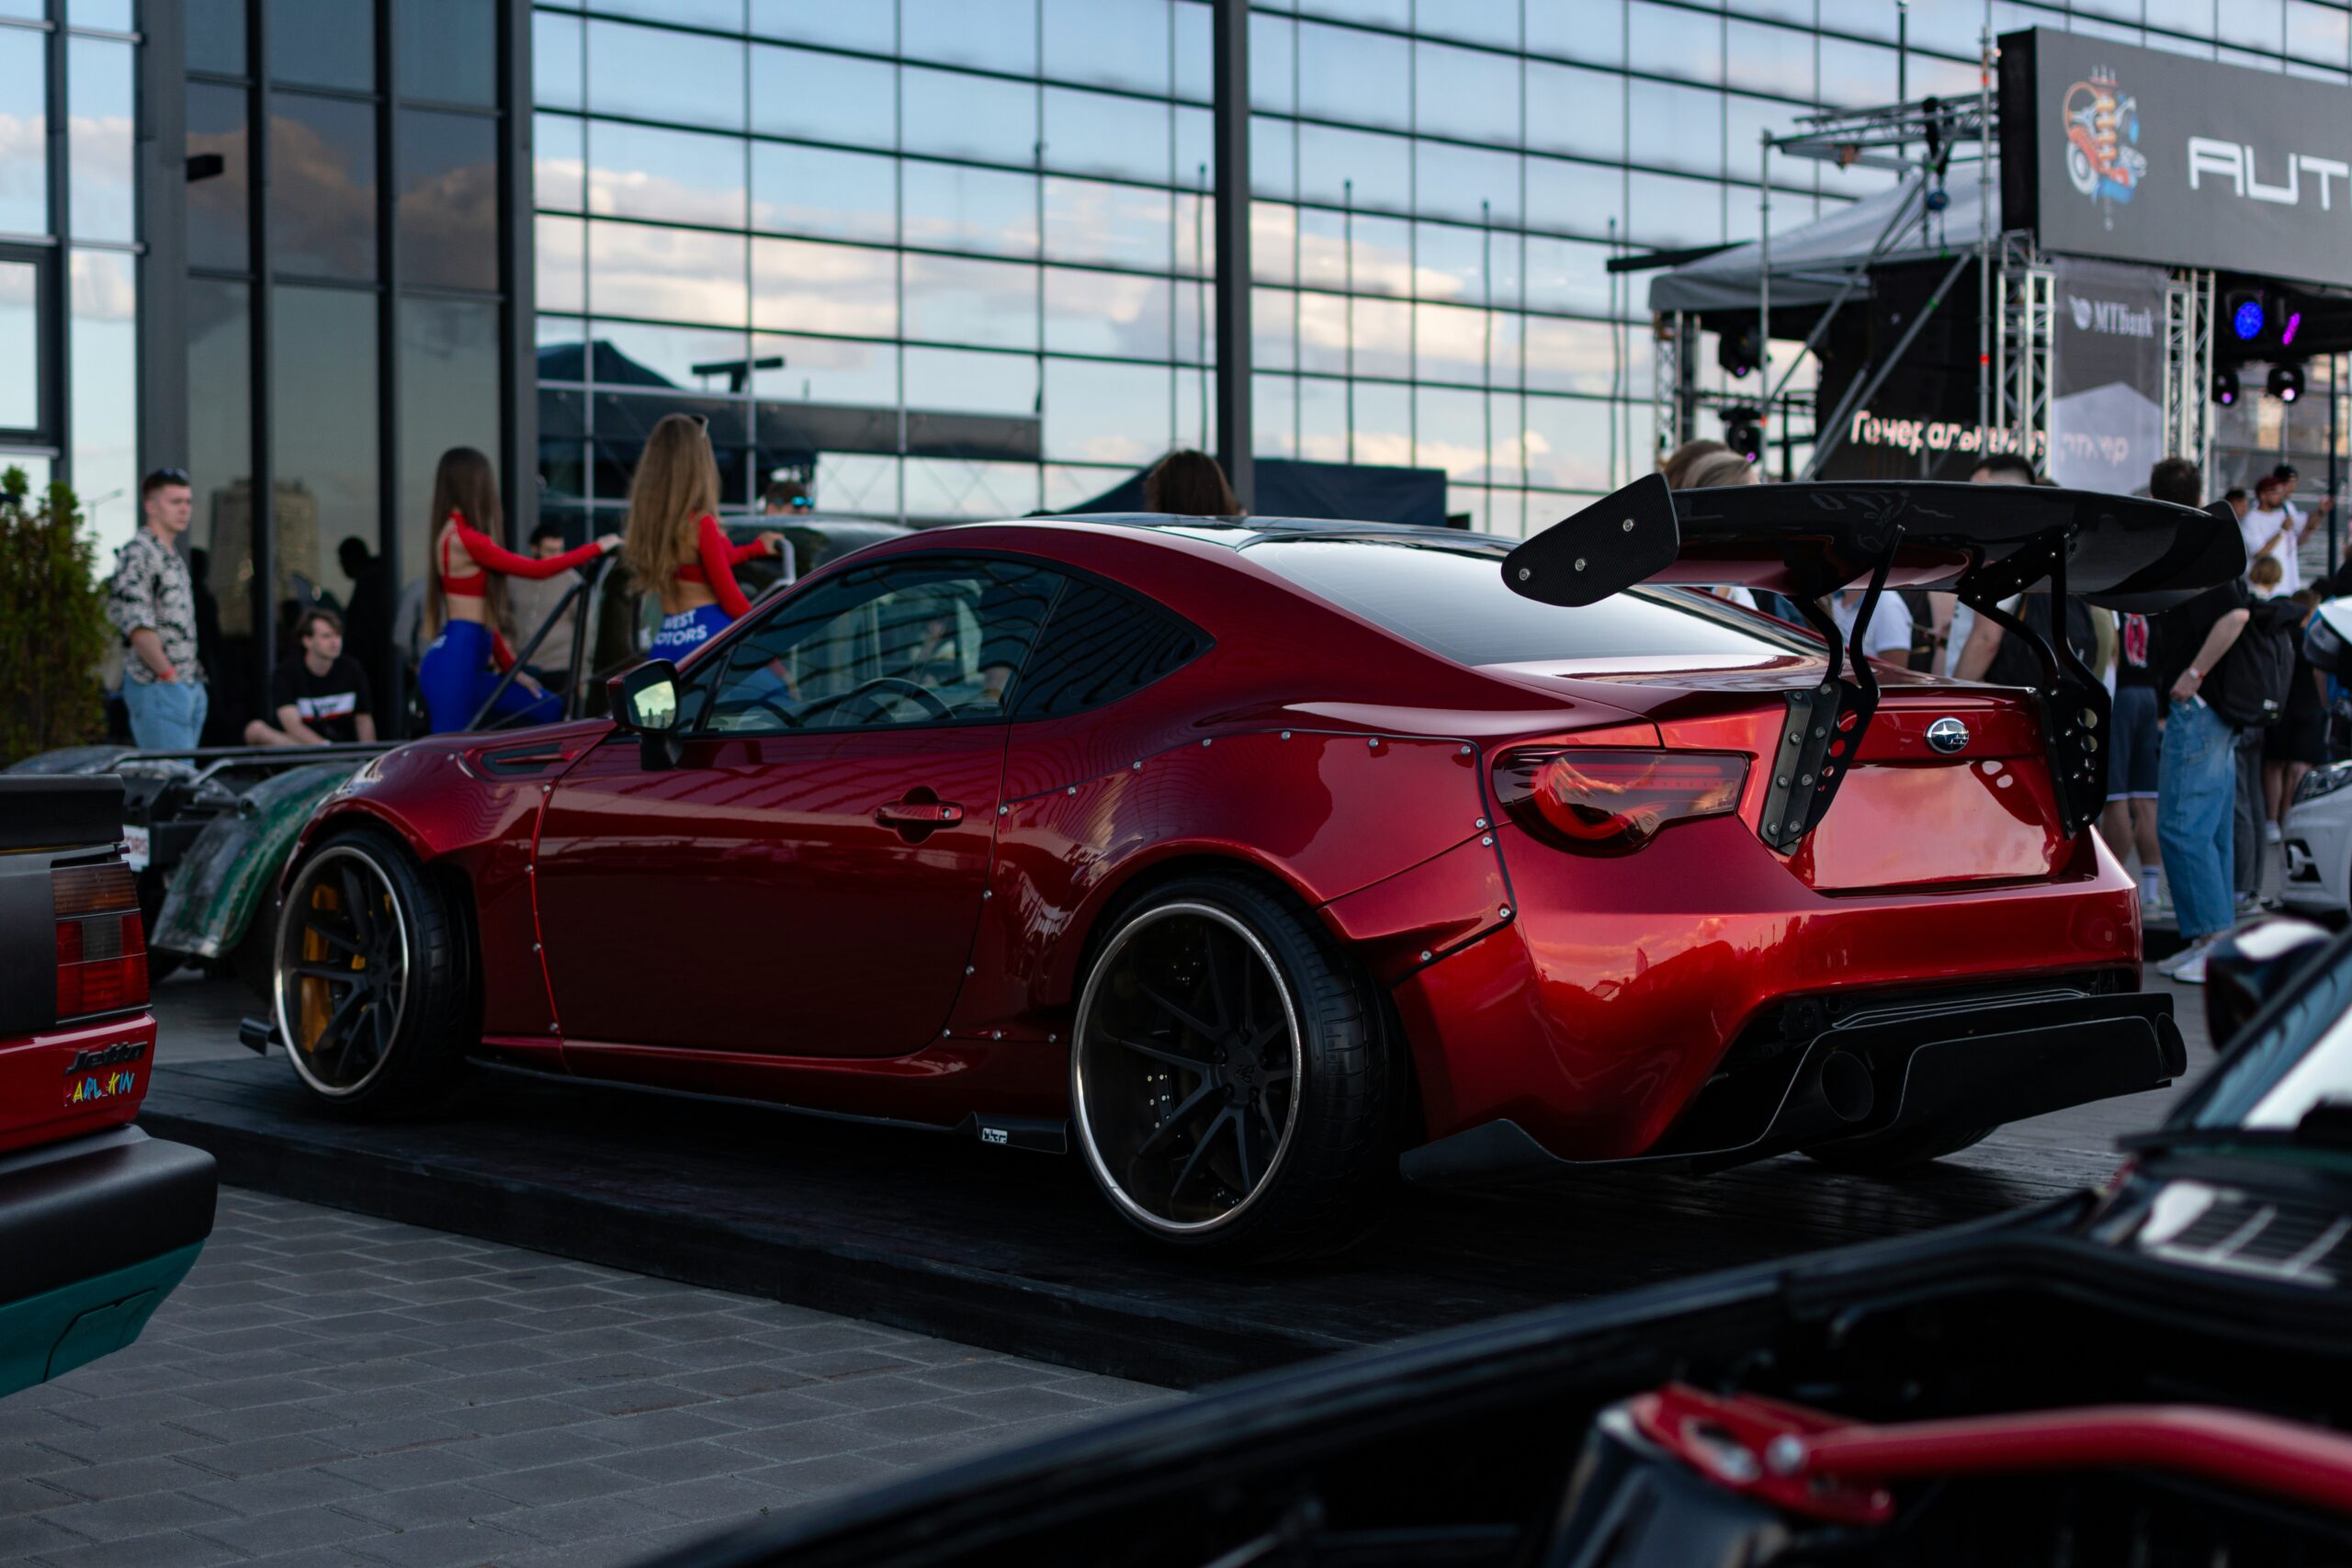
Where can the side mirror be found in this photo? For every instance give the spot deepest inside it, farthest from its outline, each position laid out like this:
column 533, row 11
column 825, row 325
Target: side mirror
column 2249, row 966
column 646, row 700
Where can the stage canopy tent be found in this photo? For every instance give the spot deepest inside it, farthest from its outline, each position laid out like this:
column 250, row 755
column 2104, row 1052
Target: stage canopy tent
column 1809, row 263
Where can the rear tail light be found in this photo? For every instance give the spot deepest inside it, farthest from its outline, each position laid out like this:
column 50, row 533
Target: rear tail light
column 101, row 945
column 1599, row 802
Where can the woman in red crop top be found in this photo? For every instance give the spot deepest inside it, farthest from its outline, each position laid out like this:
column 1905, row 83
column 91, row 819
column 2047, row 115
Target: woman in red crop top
column 466, row 597
column 676, row 549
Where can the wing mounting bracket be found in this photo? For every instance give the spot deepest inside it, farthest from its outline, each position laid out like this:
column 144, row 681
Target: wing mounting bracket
column 1824, row 724
column 2074, row 704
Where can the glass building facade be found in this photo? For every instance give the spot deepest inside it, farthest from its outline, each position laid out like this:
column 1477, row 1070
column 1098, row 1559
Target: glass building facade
column 70, row 251
column 942, row 258
column 349, row 324
column 948, row 256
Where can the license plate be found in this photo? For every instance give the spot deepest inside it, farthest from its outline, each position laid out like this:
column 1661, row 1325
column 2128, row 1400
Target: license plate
column 135, row 848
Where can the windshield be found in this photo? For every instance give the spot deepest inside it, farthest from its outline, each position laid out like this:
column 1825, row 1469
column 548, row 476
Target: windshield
column 2275, row 1077
column 1451, row 599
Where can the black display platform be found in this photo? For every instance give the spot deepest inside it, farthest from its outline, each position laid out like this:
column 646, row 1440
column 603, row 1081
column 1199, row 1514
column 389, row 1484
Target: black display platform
column 1014, row 1251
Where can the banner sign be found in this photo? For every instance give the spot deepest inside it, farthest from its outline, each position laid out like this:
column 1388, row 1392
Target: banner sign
column 2107, row 416
column 2108, row 149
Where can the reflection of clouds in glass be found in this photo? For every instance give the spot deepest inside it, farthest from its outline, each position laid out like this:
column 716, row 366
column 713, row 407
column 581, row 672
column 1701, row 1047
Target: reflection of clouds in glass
column 823, row 288
column 559, row 247
column 990, row 303
column 322, row 191
column 674, row 177
column 103, row 185
column 1107, row 313
column 24, row 170
column 960, row 209
column 20, row 387
column 1086, row 221
column 672, row 274
column 103, row 387
column 449, row 228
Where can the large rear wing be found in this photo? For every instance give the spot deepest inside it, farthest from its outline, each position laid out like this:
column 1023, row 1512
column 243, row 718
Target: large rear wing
column 1986, row 543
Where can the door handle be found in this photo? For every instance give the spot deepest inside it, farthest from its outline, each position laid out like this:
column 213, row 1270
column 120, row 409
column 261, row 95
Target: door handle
column 919, row 814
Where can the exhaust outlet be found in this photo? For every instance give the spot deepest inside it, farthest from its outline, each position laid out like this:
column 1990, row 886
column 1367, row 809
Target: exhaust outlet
column 1846, row 1086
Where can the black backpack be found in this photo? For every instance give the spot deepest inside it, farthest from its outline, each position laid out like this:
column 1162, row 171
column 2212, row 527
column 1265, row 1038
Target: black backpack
column 2248, row 687
column 2014, row 663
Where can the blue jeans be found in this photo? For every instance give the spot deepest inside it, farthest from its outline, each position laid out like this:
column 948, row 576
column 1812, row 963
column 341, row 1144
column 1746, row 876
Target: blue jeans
column 2196, row 806
column 166, row 715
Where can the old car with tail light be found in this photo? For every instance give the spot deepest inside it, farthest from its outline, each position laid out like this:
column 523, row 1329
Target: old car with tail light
column 98, row 1222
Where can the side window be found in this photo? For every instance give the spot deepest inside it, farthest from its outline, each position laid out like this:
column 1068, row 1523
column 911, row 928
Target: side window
column 1098, row 646
column 916, row 640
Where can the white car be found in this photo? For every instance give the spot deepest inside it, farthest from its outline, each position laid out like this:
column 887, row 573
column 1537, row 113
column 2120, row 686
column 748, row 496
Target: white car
column 2318, row 847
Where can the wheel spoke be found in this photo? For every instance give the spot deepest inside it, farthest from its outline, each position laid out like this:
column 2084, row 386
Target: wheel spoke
column 1176, row 1118
column 344, row 1011
column 334, row 973
column 1181, row 1015
column 363, row 919
column 1266, row 1113
column 1241, row 1151
column 331, row 938
column 1159, row 1053
column 1200, row 1147
column 1215, row 971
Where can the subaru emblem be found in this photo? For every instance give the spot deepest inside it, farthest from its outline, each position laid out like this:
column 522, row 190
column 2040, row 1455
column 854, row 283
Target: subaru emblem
column 1948, row 735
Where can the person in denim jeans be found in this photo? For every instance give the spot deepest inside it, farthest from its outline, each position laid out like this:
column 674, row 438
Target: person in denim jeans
column 151, row 603
column 2197, row 781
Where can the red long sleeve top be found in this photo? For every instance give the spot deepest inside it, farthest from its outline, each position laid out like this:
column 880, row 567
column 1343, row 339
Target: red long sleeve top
column 489, row 556
column 715, row 562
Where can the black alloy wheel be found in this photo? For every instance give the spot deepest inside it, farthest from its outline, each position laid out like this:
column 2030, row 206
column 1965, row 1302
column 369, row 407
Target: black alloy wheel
column 1229, row 1076
column 364, row 979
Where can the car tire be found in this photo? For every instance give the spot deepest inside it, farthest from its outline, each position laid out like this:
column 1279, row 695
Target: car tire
column 373, row 1009
column 1891, row 1154
column 1232, row 1083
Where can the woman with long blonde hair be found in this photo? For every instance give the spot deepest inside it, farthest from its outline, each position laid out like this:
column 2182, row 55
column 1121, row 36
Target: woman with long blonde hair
column 465, row 598
column 675, row 549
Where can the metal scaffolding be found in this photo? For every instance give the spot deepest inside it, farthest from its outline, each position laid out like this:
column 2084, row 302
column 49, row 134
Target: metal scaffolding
column 2188, row 368
column 2024, row 330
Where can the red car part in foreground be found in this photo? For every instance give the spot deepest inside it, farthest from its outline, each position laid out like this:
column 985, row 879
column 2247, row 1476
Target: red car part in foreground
column 99, row 1223
column 1256, row 854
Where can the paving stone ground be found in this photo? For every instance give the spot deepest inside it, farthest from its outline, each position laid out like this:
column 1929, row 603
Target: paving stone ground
column 329, row 1390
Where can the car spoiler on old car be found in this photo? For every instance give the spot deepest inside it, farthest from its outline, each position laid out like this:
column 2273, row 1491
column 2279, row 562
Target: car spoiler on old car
column 1986, row 543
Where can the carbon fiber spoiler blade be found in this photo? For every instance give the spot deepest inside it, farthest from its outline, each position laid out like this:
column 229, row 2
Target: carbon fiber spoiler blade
column 2121, row 552
column 1986, row 543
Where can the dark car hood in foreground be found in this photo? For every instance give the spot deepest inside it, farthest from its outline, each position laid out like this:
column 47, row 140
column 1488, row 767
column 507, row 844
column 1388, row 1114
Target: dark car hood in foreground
column 1466, row 1440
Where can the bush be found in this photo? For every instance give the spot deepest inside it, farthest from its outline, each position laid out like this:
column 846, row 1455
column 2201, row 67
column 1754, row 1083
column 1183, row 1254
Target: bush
column 53, row 629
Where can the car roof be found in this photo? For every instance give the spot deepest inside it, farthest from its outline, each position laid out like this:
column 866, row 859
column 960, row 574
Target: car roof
column 1240, row 533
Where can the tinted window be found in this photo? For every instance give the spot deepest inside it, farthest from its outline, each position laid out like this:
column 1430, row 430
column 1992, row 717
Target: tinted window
column 920, row 641
column 1453, row 601
column 1098, row 646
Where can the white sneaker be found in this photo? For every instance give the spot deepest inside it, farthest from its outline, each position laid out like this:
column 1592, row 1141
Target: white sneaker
column 2193, row 972
column 2272, row 833
column 2194, row 952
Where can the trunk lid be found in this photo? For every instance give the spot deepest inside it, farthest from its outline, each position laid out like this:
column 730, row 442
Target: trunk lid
column 1908, row 815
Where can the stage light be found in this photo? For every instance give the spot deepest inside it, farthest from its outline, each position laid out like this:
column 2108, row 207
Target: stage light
column 2247, row 318
column 1735, row 352
column 2225, row 387
column 2286, row 382
column 1743, row 431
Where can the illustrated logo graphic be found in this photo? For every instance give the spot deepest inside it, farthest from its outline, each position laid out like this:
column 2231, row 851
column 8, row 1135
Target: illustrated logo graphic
column 1948, row 735
column 2103, row 157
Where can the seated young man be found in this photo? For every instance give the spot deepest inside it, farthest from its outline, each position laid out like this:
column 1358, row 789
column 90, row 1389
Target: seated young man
column 319, row 696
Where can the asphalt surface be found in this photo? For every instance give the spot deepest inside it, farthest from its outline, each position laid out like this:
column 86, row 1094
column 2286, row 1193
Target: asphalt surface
column 332, row 1389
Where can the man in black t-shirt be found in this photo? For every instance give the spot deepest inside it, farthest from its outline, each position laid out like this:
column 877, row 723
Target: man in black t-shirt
column 321, row 696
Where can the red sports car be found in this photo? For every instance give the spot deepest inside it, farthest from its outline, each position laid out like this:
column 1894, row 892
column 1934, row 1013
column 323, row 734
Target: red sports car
column 1257, row 858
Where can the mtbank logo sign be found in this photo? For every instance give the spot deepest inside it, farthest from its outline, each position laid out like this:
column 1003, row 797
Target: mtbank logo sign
column 2112, row 317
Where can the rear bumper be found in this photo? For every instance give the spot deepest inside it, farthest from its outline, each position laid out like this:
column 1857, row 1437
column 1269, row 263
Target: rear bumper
column 2318, row 856
column 94, row 1234
column 1934, row 1066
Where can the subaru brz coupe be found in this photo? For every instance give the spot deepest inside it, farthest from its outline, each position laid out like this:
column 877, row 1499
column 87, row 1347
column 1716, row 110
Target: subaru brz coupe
column 1260, row 859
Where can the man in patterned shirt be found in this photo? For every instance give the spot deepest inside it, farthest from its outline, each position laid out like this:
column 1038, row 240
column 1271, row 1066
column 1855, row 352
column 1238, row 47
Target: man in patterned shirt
column 152, row 603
